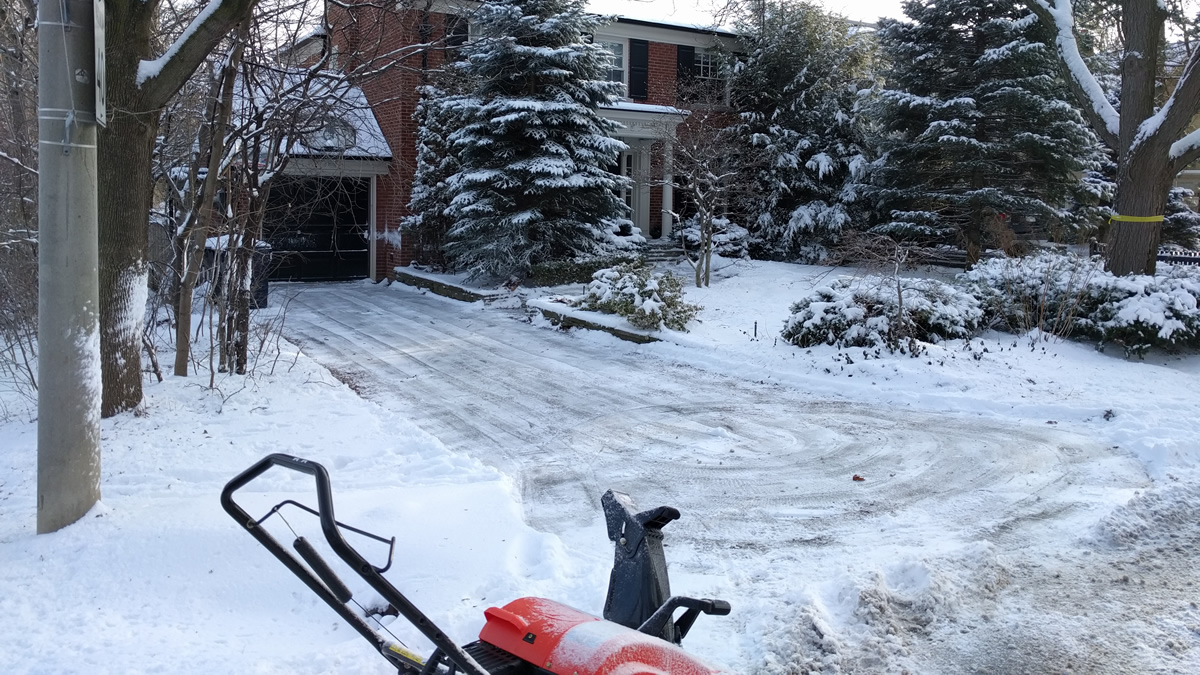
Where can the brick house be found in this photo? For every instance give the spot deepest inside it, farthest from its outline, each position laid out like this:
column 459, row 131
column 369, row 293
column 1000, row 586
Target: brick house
column 651, row 58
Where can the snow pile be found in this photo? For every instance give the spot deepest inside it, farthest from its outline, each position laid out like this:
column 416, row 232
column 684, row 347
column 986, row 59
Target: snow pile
column 157, row 577
column 873, row 624
column 1161, row 517
column 882, row 312
column 1068, row 296
column 648, row 300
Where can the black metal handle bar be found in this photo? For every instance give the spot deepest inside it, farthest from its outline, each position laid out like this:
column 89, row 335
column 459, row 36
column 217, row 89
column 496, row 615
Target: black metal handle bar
column 291, row 502
column 658, row 621
column 329, row 526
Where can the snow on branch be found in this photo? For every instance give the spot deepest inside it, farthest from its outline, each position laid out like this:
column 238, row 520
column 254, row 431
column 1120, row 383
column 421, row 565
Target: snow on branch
column 19, row 163
column 1178, row 111
column 148, row 70
column 160, row 78
column 1103, row 115
column 1189, row 145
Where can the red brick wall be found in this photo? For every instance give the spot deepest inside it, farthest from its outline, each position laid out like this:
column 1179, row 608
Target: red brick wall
column 654, row 227
column 664, row 65
column 368, row 39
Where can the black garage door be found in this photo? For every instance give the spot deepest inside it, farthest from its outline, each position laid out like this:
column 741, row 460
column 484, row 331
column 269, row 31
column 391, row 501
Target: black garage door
column 318, row 228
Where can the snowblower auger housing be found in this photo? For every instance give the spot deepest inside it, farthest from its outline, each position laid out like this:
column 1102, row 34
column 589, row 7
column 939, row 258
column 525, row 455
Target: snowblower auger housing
column 528, row 636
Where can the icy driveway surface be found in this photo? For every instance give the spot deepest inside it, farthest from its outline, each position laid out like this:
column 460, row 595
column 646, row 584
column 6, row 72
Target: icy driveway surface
column 895, row 571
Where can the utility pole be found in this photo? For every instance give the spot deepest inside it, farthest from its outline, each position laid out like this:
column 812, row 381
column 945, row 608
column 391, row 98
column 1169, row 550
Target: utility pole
column 68, row 300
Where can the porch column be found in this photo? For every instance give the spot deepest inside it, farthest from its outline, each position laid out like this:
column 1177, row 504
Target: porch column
column 642, row 185
column 668, row 190
column 373, row 234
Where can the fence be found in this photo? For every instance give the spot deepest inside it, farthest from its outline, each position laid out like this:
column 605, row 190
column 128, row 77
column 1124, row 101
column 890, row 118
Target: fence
column 1178, row 256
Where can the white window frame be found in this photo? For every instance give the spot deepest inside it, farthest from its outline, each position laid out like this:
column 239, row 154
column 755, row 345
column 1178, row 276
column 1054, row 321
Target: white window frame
column 708, row 70
column 623, row 43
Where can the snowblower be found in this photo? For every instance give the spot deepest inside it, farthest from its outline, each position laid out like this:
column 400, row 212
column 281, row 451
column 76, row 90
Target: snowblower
column 640, row 633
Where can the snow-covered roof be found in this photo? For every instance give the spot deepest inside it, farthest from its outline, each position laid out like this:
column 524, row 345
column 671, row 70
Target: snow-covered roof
column 353, row 109
column 686, row 14
column 713, row 15
column 644, row 107
column 333, row 115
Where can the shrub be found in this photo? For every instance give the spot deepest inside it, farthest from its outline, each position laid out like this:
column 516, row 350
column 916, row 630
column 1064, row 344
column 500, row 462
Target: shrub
column 729, row 239
column 1068, row 296
column 1046, row 291
column 562, row 272
column 647, row 300
column 882, row 311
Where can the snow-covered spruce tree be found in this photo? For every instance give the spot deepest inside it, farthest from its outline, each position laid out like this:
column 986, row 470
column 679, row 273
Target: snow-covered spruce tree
column 976, row 130
column 796, row 93
column 443, row 108
column 1181, row 224
column 533, row 183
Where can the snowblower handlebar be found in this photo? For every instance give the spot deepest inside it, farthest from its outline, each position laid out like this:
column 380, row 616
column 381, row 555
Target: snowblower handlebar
column 323, row 581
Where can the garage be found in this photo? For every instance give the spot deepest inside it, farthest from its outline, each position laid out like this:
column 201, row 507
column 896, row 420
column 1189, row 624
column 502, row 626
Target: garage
column 319, row 228
column 320, row 212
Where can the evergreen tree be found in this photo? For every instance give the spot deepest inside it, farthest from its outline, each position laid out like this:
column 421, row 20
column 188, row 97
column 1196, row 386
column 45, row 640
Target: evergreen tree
column 1181, row 226
column 442, row 109
column 534, row 181
column 796, row 93
column 976, row 129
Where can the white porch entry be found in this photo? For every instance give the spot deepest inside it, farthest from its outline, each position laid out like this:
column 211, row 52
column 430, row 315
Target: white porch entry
column 643, row 126
column 634, row 164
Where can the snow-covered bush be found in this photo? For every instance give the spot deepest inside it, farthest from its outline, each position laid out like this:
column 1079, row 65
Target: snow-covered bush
column 1065, row 295
column 646, row 299
column 882, row 312
column 1045, row 291
column 561, row 272
column 729, row 239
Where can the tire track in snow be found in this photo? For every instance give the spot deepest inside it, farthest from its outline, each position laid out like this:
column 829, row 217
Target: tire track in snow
column 761, row 472
column 751, row 461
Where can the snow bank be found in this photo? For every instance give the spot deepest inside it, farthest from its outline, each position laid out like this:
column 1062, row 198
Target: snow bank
column 158, row 577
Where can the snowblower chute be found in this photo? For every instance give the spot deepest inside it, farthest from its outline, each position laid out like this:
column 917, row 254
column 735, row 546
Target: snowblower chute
column 639, row 634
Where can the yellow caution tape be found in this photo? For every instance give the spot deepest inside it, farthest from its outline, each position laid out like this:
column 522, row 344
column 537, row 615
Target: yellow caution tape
column 1137, row 219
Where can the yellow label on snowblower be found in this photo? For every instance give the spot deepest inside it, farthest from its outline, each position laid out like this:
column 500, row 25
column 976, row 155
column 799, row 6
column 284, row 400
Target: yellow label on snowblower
column 405, row 653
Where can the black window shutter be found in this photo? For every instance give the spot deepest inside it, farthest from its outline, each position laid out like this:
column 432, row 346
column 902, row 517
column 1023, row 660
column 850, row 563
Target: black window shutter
column 639, row 69
column 687, row 63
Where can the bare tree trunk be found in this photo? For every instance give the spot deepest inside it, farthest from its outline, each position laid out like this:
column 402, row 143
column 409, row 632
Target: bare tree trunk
column 707, row 238
column 126, row 146
column 1141, row 188
column 1133, row 246
column 240, row 302
column 193, row 252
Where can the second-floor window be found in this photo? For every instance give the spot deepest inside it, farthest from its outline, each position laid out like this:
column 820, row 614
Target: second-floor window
column 458, row 32
column 700, row 76
column 616, row 60
column 708, row 69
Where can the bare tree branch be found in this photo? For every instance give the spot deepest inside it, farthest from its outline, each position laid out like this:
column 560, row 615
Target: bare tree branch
column 160, row 78
column 18, row 163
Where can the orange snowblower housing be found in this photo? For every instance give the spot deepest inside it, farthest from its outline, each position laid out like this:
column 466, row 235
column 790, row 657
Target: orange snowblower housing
column 565, row 641
column 640, row 633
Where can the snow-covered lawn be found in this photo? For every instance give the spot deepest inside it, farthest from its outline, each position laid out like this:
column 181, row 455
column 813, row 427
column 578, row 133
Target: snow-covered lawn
column 1088, row 567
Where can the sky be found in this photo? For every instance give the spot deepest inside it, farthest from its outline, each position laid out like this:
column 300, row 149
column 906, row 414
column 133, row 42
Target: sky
column 699, row 12
column 865, row 10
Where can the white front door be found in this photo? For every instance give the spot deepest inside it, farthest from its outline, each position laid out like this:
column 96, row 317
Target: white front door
column 634, row 164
